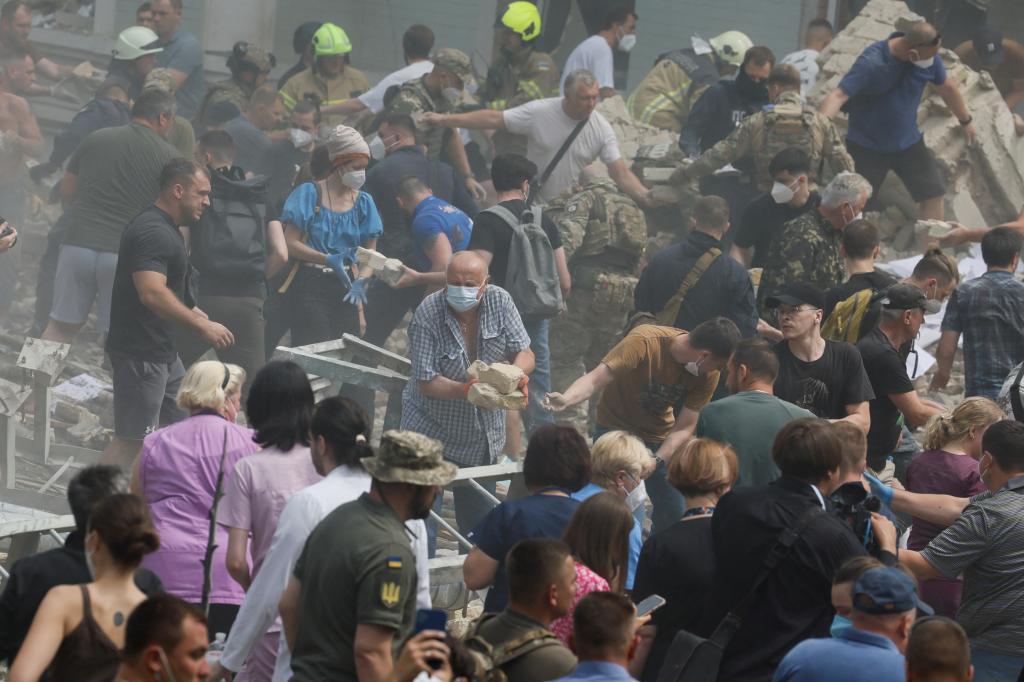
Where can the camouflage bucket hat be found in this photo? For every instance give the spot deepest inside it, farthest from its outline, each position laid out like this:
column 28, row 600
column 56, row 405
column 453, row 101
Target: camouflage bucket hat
column 410, row 457
column 455, row 61
column 159, row 79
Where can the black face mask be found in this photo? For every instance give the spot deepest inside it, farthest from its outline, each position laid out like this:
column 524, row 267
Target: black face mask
column 751, row 91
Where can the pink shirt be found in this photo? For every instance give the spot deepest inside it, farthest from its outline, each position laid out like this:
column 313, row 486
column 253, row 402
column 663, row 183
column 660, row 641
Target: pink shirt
column 260, row 486
column 178, row 475
column 586, row 582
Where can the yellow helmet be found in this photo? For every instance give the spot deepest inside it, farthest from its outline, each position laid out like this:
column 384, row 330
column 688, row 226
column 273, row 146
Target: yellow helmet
column 731, row 46
column 522, row 18
column 331, row 39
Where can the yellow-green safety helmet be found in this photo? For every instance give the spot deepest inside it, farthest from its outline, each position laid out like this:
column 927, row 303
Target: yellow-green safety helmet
column 331, row 39
column 731, row 46
column 522, row 18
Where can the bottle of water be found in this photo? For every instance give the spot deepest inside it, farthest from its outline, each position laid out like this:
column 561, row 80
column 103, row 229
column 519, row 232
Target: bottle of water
column 216, row 649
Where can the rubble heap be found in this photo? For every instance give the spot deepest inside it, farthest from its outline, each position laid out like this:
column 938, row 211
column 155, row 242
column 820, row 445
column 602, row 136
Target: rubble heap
column 632, row 134
column 986, row 180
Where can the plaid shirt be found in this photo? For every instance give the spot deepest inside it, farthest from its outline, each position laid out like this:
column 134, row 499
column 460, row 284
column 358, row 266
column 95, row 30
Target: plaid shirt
column 989, row 312
column 471, row 436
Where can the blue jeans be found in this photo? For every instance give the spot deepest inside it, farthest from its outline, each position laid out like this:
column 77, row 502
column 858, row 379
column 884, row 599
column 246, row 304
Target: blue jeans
column 470, row 509
column 992, row 667
column 540, row 379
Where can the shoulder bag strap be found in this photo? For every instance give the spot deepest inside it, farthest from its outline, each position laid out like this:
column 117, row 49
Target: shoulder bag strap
column 534, row 188
column 305, row 240
column 668, row 314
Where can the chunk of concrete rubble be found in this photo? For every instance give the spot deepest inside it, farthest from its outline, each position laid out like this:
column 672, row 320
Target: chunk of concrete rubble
column 932, row 228
column 985, row 181
column 391, row 272
column 500, row 375
column 487, row 397
column 368, row 258
column 632, row 134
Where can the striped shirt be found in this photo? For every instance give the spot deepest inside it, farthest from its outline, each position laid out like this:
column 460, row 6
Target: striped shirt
column 471, row 436
column 986, row 545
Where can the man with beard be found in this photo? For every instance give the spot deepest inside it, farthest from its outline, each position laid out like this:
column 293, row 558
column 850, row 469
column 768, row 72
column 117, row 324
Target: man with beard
column 352, row 594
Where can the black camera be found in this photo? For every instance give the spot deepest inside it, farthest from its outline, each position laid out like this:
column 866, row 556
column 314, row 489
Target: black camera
column 852, row 505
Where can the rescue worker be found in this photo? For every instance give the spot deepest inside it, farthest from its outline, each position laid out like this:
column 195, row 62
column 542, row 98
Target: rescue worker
column 521, row 74
column 134, row 56
column 331, row 80
column 679, row 78
column 787, row 123
column 250, row 66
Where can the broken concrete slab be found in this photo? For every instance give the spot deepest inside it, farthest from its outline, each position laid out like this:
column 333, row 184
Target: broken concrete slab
column 368, row 258
column 391, row 272
column 487, row 397
column 46, row 357
column 502, row 376
column 388, row 270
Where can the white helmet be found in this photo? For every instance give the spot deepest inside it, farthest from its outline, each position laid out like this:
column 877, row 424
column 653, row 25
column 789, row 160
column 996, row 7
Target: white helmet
column 135, row 42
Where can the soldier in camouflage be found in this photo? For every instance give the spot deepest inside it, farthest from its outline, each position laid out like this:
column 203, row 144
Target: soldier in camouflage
column 807, row 248
column 440, row 91
column 604, row 235
column 249, row 65
column 521, row 74
column 787, row 123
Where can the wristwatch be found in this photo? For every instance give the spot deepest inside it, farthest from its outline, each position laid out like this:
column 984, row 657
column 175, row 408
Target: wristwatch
column 469, row 176
column 969, row 121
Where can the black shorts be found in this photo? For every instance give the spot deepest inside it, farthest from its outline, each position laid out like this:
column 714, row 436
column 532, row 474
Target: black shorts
column 916, row 166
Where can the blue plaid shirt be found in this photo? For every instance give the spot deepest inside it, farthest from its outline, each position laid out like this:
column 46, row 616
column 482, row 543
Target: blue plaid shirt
column 989, row 312
column 471, row 436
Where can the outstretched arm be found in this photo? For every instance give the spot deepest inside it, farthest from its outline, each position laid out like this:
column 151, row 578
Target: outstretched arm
column 484, row 119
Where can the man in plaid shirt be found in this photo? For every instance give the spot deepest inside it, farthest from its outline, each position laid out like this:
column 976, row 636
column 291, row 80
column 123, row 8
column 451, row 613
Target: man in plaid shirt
column 989, row 312
column 467, row 320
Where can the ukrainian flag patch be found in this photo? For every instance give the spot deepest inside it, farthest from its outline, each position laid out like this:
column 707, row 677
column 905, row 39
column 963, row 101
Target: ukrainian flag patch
column 394, row 562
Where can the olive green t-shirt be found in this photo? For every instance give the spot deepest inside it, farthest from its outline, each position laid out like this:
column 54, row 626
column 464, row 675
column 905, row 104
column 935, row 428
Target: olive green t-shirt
column 118, row 171
column 543, row 663
column 357, row 568
column 648, row 383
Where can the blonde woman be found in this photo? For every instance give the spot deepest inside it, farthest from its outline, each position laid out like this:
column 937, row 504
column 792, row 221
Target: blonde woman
column 619, row 464
column 949, row 466
column 176, row 474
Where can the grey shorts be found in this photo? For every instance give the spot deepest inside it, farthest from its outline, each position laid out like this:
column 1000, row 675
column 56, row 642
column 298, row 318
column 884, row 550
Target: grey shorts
column 82, row 275
column 145, row 395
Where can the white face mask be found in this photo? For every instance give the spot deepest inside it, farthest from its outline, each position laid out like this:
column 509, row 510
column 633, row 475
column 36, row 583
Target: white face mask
column 354, row 179
column 377, row 148
column 636, row 497
column 299, row 138
column 452, row 95
column 782, row 194
column 693, row 368
column 925, row 63
column 627, row 42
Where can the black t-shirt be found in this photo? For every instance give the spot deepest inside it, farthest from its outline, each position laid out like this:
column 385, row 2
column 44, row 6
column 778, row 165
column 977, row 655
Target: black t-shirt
column 492, row 234
column 150, row 243
column 888, row 375
column 858, row 282
column 679, row 564
column 762, row 221
column 827, row 385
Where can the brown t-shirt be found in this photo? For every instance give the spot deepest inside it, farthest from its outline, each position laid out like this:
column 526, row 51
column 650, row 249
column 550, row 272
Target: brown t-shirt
column 648, row 383
column 1009, row 75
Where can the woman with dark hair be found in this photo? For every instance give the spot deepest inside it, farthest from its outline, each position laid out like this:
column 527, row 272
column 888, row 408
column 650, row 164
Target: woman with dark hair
column 557, row 464
column 78, row 630
column 599, row 536
column 280, row 409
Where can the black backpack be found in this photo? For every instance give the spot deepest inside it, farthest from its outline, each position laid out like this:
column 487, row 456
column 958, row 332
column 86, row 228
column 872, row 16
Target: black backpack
column 230, row 239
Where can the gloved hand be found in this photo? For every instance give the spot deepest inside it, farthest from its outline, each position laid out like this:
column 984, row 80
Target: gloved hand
column 336, row 262
column 879, row 489
column 357, row 292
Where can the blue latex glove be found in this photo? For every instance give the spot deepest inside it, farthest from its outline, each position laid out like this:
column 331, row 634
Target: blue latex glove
column 336, row 262
column 879, row 489
column 357, row 292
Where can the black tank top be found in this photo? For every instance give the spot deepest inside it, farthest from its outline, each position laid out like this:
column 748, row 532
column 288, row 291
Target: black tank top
column 86, row 654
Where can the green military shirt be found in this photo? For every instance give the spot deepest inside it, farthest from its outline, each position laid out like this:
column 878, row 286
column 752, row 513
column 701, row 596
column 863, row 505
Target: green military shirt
column 414, row 98
column 542, row 663
column 225, row 91
column 806, row 250
column 357, row 568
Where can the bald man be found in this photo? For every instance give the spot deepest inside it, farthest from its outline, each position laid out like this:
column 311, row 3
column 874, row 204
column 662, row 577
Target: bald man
column 467, row 320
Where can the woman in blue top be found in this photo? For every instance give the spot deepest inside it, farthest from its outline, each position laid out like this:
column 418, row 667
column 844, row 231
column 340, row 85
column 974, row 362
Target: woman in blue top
column 324, row 223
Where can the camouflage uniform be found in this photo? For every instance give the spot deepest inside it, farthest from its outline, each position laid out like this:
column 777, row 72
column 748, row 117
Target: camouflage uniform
column 232, row 90
column 763, row 135
column 604, row 235
column 806, row 250
column 670, row 88
column 310, row 85
column 516, row 80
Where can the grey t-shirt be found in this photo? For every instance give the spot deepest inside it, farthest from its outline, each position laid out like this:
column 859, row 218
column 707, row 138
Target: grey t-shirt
column 118, row 173
column 184, row 53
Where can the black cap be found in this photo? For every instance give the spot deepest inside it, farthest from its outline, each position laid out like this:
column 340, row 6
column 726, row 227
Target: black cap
column 907, row 297
column 988, row 45
column 885, row 591
column 798, row 293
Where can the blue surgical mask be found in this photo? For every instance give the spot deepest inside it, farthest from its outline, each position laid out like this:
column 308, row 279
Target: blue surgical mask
column 462, row 298
column 840, row 624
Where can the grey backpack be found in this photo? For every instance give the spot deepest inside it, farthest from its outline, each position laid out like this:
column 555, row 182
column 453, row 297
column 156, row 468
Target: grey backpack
column 531, row 278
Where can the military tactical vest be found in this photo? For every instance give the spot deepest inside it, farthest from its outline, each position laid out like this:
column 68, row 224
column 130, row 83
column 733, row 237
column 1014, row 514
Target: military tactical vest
column 787, row 124
column 600, row 226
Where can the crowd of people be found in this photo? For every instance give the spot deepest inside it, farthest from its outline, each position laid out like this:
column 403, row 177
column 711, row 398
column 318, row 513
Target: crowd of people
column 720, row 479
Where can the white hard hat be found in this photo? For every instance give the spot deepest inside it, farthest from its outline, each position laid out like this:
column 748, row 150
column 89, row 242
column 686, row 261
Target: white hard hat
column 135, row 42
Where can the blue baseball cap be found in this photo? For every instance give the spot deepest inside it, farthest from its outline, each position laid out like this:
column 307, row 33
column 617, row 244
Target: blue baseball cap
column 885, row 591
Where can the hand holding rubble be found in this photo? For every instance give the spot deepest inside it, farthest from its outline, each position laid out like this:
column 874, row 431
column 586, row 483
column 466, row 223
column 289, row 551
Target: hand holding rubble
column 956, row 236
column 554, row 402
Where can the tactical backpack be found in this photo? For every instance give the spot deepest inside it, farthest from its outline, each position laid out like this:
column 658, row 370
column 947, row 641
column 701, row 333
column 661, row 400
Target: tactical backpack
column 531, row 277
column 490, row 660
column 600, row 225
column 852, row 317
column 786, row 125
column 230, row 239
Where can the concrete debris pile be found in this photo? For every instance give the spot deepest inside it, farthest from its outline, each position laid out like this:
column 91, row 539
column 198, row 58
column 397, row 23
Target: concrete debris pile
column 985, row 181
